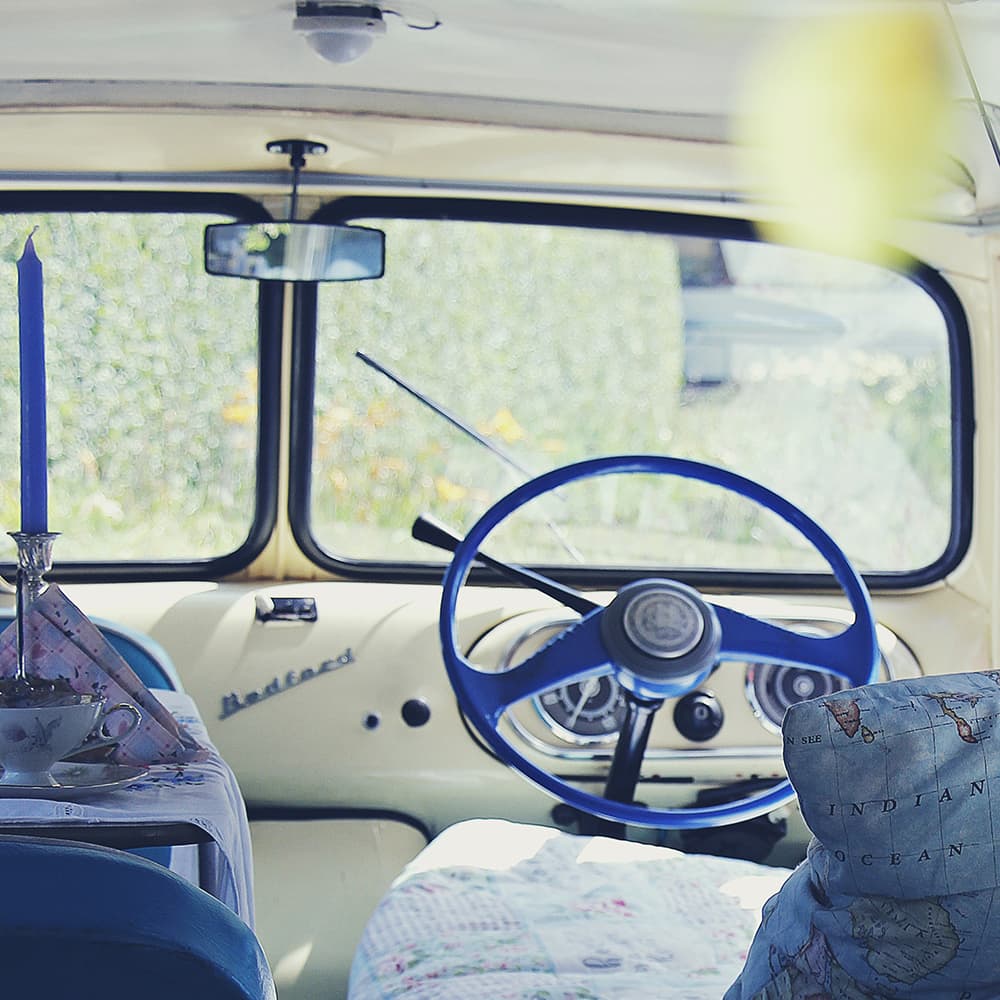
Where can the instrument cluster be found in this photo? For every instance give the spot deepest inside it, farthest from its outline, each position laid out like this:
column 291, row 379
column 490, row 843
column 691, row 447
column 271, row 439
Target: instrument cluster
column 740, row 708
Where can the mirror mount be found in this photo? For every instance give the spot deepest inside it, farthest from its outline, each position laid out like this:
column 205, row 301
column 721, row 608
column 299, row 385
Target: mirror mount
column 296, row 150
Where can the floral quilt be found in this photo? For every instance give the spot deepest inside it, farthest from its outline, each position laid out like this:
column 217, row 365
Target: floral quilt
column 504, row 911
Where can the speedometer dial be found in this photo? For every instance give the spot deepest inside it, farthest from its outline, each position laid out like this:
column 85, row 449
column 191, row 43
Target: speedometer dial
column 585, row 711
column 771, row 690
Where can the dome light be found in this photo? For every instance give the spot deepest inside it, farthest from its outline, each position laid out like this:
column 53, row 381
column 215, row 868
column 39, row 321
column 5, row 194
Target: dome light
column 343, row 32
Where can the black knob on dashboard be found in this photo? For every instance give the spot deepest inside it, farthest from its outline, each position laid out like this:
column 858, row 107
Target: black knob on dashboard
column 416, row 712
column 698, row 716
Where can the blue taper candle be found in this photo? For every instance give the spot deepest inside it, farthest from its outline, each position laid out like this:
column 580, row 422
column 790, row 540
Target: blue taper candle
column 31, row 326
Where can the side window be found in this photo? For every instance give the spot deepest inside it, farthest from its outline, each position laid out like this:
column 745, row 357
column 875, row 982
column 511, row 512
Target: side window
column 826, row 380
column 151, row 386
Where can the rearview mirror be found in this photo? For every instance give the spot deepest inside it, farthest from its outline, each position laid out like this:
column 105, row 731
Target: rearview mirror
column 294, row 251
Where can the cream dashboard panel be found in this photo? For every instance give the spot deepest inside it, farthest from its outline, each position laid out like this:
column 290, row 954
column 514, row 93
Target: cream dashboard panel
column 352, row 710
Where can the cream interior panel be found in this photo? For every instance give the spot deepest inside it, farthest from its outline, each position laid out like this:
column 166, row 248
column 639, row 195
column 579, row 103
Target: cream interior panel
column 316, row 883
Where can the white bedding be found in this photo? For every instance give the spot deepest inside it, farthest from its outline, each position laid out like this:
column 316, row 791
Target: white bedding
column 493, row 910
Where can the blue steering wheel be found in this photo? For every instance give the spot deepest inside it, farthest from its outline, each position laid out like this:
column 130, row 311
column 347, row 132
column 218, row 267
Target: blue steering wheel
column 658, row 638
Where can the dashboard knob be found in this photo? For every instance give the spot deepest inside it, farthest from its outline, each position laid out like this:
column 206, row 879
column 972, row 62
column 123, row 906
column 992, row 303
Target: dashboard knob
column 698, row 716
column 416, row 712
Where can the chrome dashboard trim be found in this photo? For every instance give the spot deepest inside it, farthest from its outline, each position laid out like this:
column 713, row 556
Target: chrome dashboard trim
column 580, row 753
column 234, row 702
column 755, row 706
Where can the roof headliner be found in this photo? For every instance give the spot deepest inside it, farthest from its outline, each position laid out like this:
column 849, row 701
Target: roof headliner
column 646, row 68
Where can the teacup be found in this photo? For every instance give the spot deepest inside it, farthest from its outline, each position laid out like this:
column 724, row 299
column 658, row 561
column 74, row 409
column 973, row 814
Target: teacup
column 34, row 737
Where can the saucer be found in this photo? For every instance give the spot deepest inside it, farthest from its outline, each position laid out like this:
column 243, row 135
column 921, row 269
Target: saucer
column 74, row 780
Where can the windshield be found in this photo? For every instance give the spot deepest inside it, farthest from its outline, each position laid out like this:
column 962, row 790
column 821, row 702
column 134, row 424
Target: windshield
column 492, row 352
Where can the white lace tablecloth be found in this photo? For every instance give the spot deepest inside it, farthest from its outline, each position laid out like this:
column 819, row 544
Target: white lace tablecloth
column 204, row 793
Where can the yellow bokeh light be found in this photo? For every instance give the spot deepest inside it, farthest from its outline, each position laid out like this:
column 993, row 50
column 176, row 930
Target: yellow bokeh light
column 504, row 425
column 846, row 123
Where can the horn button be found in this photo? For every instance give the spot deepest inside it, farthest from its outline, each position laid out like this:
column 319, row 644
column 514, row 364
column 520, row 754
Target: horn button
column 662, row 636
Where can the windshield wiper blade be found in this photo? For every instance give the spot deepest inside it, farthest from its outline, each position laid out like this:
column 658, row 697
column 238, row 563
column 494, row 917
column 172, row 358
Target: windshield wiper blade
column 441, row 411
column 471, row 432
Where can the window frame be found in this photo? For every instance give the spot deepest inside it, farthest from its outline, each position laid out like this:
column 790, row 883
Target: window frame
column 305, row 320
column 270, row 309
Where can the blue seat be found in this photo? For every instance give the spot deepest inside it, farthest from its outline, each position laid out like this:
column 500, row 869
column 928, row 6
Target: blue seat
column 143, row 654
column 93, row 923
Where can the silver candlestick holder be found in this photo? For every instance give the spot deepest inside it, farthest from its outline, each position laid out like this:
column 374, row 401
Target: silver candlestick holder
column 34, row 560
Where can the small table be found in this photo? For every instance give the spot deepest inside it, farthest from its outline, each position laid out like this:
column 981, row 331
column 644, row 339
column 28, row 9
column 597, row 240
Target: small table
column 198, row 805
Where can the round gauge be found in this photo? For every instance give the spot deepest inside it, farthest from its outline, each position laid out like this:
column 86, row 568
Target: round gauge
column 585, row 711
column 771, row 690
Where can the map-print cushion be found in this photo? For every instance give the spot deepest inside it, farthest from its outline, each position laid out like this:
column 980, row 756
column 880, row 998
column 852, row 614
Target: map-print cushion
column 900, row 784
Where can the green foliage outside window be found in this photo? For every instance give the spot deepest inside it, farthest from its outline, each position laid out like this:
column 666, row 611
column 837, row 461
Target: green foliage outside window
column 825, row 380
column 151, row 371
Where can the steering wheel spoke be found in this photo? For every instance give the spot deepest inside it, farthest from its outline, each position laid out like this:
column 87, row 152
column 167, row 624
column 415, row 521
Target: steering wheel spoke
column 574, row 655
column 848, row 654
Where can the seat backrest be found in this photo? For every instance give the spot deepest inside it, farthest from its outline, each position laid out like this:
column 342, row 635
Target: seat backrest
column 94, row 923
column 150, row 661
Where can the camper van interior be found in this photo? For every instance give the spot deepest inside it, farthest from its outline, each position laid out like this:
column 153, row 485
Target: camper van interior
column 500, row 499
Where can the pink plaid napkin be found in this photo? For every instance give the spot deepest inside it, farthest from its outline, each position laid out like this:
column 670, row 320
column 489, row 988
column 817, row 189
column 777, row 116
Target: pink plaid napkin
column 61, row 642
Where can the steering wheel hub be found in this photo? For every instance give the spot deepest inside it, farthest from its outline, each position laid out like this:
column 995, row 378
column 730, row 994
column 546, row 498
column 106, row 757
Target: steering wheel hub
column 663, row 623
column 662, row 637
